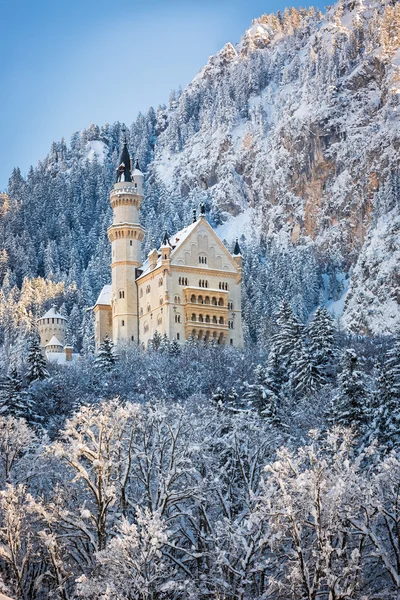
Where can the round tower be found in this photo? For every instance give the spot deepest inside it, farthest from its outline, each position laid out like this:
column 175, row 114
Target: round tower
column 126, row 236
column 52, row 324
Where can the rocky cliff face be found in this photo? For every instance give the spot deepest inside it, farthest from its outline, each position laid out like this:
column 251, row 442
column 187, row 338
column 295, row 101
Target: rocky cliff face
column 300, row 122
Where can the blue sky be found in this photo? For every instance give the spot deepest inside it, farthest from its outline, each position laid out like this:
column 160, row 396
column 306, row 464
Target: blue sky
column 67, row 63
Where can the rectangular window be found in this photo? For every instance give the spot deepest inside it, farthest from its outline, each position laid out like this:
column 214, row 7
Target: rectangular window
column 123, row 323
column 178, row 336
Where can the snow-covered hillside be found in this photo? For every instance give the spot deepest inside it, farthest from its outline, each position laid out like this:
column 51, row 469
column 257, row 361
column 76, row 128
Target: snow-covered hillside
column 300, row 123
column 291, row 139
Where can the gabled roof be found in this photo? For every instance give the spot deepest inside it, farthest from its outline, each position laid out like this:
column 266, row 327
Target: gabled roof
column 177, row 240
column 105, row 296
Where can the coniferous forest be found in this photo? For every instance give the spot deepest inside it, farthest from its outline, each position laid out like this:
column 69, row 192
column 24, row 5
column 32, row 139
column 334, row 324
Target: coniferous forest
column 198, row 471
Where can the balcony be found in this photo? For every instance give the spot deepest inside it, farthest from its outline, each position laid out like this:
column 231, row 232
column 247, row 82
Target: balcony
column 206, row 314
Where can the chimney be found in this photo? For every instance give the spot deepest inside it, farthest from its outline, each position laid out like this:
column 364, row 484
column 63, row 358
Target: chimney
column 68, row 353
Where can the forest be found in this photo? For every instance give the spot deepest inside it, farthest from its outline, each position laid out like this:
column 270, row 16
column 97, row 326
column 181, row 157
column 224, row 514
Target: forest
column 205, row 472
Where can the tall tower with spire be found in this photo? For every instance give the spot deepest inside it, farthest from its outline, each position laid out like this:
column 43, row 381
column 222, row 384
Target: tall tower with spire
column 126, row 236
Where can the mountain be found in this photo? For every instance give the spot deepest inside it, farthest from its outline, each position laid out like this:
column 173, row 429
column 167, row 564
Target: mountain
column 291, row 140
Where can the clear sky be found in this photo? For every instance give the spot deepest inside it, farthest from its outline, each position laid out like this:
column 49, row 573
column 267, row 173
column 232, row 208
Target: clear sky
column 67, row 63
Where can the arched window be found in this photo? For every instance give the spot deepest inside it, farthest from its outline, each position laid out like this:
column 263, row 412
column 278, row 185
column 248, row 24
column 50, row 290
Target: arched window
column 207, row 319
column 148, row 308
column 121, row 294
column 193, row 298
column 221, row 320
column 177, row 318
column 200, row 300
column 214, row 301
column 226, row 286
column 131, row 244
column 159, row 320
column 161, row 300
column 178, row 336
column 199, row 282
column 214, row 319
column 123, row 323
column 160, row 282
column 141, row 292
column 207, row 300
column 132, row 338
column 146, row 327
column 230, row 305
column 220, row 302
column 201, row 319
column 141, row 311
column 186, row 281
column 193, row 317
column 148, row 289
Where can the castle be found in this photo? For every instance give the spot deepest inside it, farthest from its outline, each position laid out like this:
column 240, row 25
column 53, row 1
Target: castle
column 189, row 287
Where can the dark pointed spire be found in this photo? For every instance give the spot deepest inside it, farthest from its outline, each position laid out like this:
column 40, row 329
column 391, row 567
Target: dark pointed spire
column 236, row 250
column 202, row 209
column 137, row 165
column 124, row 165
column 165, row 241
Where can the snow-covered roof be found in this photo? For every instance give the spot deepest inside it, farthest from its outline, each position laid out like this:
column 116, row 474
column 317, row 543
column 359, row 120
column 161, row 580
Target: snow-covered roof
column 105, row 295
column 60, row 358
column 137, row 172
column 52, row 313
column 175, row 242
column 54, row 342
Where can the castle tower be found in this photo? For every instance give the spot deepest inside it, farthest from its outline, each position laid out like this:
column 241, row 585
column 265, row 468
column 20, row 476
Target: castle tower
column 126, row 236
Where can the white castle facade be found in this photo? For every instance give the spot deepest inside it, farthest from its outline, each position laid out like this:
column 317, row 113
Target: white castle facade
column 189, row 287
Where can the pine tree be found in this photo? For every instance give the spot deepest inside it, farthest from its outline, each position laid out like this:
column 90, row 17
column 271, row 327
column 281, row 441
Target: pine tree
column 37, row 369
column 259, row 396
column 174, row 348
column 15, row 400
column 156, row 341
column 286, row 341
column 321, row 343
column 350, row 405
column 385, row 408
column 105, row 359
column 305, row 375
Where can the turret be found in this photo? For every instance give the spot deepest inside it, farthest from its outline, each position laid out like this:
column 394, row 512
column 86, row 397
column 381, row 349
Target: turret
column 138, row 178
column 237, row 254
column 126, row 236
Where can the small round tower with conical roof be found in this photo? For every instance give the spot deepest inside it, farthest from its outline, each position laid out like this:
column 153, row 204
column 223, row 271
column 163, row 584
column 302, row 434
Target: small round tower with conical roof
column 52, row 325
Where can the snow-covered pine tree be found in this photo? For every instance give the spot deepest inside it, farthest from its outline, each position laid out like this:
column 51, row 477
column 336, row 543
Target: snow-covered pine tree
column 322, row 343
column 305, row 375
column 350, row 405
column 156, row 341
column 385, row 406
column 392, row 365
column 259, row 396
column 287, row 341
column 37, row 366
column 105, row 359
column 174, row 348
column 18, row 402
